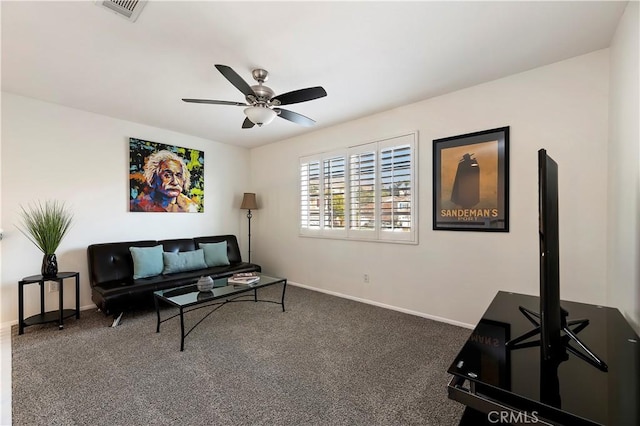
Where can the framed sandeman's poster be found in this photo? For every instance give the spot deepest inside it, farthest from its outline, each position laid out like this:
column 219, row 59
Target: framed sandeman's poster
column 471, row 181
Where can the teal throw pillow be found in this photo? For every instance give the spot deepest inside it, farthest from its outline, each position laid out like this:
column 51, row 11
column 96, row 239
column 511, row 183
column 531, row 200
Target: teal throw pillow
column 147, row 261
column 215, row 254
column 183, row 261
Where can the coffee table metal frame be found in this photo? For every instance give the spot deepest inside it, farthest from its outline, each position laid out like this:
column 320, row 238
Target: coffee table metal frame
column 187, row 298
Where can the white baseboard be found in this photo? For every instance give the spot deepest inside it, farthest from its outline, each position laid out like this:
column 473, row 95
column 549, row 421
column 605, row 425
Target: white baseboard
column 9, row 324
column 383, row 305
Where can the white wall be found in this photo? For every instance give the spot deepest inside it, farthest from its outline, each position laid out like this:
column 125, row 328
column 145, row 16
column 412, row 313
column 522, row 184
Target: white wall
column 454, row 275
column 50, row 151
column 54, row 152
column 624, row 168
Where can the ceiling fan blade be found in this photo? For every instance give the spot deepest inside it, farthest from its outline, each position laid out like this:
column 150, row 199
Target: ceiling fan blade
column 301, row 95
column 209, row 101
column 247, row 124
column 294, row 117
column 236, row 80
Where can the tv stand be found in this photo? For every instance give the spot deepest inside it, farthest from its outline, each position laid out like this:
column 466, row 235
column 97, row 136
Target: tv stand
column 570, row 335
column 513, row 382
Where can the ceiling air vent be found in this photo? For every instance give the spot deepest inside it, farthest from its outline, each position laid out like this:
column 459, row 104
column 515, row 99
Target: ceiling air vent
column 129, row 9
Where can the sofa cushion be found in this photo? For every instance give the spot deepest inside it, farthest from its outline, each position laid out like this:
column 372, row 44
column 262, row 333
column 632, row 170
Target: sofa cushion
column 183, row 261
column 215, row 254
column 147, row 261
column 233, row 250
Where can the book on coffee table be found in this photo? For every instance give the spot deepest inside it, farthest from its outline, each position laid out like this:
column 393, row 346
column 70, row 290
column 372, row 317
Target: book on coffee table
column 246, row 278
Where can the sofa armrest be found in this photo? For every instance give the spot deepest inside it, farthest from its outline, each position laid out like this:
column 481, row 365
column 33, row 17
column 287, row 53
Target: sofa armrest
column 110, row 262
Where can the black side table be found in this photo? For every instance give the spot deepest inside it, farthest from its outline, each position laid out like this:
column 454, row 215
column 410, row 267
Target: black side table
column 52, row 316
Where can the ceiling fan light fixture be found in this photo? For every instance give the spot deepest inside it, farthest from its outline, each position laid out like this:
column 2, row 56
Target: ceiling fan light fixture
column 260, row 115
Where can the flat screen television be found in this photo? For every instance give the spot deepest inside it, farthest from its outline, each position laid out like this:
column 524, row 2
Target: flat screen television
column 551, row 323
column 548, row 232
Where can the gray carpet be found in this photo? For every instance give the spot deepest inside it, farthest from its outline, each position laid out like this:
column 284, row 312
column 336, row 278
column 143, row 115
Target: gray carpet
column 326, row 361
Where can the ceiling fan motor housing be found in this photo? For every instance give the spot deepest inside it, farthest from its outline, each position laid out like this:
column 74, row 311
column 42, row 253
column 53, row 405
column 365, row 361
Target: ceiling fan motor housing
column 263, row 94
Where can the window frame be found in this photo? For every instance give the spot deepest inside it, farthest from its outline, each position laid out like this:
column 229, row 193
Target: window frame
column 394, row 143
column 377, row 233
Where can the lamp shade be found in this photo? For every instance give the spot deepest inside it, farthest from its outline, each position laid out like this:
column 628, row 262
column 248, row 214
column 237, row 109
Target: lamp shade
column 249, row 201
column 260, row 115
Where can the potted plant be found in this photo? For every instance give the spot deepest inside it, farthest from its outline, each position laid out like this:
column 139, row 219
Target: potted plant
column 45, row 225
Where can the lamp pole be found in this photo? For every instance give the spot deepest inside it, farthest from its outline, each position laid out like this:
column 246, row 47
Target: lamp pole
column 249, row 203
column 249, row 216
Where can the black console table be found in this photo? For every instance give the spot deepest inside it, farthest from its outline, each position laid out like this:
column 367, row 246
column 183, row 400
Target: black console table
column 52, row 316
column 511, row 385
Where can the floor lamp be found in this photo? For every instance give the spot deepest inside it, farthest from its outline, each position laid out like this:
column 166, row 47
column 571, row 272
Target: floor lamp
column 249, row 203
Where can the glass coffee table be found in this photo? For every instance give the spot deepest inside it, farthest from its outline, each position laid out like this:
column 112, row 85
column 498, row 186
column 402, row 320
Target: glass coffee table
column 187, row 298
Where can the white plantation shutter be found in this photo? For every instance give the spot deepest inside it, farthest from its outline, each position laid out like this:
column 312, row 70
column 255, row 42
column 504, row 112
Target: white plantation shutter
column 397, row 188
column 310, row 194
column 395, row 191
column 334, row 193
column 362, row 191
column 369, row 193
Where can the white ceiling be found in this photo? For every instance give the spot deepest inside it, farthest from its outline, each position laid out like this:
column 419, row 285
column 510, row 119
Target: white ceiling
column 369, row 56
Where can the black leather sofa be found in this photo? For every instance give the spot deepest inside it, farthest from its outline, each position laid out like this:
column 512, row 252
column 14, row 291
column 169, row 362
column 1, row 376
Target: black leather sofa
column 114, row 290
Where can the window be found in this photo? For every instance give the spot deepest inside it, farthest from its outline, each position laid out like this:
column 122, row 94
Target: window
column 395, row 192
column 334, row 193
column 362, row 184
column 366, row 192
column 310, row 195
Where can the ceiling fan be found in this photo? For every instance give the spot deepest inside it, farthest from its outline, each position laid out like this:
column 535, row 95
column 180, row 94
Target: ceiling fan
column 262, row 104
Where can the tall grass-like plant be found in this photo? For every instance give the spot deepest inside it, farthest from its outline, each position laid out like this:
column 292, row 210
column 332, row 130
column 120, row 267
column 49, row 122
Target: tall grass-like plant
column 46, row 224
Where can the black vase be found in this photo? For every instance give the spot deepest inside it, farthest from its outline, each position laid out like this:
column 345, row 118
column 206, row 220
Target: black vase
column 49, row 265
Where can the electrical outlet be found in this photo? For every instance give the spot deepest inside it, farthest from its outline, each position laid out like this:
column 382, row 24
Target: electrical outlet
column 365, row 278
column 53, row 286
